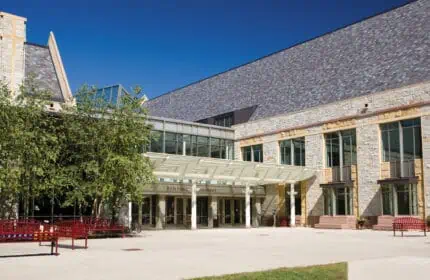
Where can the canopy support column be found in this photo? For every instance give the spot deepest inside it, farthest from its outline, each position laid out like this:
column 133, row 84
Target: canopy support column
column 194, row 206
column 247, row 205
column 292, row 206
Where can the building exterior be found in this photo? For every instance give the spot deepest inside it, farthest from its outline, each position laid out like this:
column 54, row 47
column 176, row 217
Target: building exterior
column 318, row 134
column 352, row 104
column 22, row 61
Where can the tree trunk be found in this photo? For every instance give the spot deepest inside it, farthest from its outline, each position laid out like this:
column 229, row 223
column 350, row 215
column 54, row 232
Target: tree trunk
column 139, row 217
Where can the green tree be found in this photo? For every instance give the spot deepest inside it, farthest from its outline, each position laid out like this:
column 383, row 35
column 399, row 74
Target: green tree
column 30, row 145
column 104, row 154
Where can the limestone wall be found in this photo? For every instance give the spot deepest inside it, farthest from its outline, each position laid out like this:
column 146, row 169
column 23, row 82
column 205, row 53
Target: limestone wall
column 365, row 114
column 12, row 60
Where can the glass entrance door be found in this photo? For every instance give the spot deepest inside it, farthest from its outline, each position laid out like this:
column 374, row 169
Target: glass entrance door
column 399, row 199
column 202, row 211
column 179, row 211
column 170, row 210
column 227, row 211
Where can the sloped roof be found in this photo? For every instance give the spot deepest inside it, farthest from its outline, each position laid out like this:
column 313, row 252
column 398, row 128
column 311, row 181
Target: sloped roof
column 40, row 67
column 383, row 52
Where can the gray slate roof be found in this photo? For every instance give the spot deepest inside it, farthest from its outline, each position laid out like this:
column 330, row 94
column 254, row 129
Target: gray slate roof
column 39, row 66
column 383, row 52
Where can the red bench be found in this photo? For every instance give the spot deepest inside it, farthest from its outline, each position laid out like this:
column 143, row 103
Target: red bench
column 403, row 224
column 72, row 229
column 13, row 231
column 103, row 226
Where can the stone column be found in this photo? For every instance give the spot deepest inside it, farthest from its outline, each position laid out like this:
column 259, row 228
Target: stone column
column 247, row 206
column 213, row 210
column 292, row 206
column 161, row 212
column 424, row 199
column 194, row 206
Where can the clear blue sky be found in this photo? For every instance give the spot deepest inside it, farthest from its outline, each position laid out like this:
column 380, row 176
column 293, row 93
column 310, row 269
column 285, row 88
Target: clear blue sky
column 163, row 45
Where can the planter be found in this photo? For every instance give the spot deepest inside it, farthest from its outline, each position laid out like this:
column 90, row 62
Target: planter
column 360, row 224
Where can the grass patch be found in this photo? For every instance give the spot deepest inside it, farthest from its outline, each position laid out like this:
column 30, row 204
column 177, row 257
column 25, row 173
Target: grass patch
column 337, row 271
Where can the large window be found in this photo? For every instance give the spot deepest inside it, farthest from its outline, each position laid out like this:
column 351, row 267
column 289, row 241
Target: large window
column 401, row 138
column 156, row 145
column 253, row 153
column 332, row 149
column 399, row 199
column 224, row 120
column 174, row 143
column 293, row 151
column 341, row 142
column 337, row 201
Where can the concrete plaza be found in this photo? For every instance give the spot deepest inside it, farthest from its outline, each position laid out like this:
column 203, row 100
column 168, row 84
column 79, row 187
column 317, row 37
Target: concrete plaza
column 178, row 254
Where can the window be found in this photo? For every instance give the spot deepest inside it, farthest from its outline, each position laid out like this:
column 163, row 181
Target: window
column 247, row 153
column 216, row 146
column 399, row 199
column 409, row 131
column 202, row 146
column 349, row 143
column 227, row 150
column 347, row 139
column 332, row 149
column 156, row 142
column 411, row 139
column 224, row 120
column 293, row 151
column 285, row 151
column 171, row 143
column 253, row 153
column 258, row 153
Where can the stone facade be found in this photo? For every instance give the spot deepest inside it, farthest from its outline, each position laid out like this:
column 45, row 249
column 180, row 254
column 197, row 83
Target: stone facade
column 365, row 114
column 12, row 58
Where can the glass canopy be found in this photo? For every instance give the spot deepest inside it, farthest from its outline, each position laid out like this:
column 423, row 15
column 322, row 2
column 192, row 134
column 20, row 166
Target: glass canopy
column 189, row 168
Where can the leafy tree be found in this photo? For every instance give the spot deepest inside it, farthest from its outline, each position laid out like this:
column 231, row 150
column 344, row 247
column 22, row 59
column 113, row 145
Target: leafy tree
column 104, row 156
column 29, row 145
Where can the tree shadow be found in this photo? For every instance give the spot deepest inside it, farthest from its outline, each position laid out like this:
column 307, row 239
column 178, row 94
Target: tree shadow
column 27, row 255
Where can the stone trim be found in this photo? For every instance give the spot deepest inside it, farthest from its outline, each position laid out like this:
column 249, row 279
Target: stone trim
column 59, row 68
column 340, row 120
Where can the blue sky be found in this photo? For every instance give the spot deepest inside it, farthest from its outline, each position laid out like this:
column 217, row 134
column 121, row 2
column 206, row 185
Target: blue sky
column 163, row 45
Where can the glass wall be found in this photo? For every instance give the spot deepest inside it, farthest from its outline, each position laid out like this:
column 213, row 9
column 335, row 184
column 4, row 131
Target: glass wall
column 346, row 138
column 293, row 151
column 409, row 131
column 253, row 153
column 399, row 199
column 202, row 146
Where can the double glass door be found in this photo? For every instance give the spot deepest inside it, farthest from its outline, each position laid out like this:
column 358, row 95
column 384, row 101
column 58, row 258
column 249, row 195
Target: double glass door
column 231, row 211
column 399, row 199
column 337, row 201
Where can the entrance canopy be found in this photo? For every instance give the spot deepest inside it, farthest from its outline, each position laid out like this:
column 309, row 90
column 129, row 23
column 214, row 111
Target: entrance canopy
column 180, row 167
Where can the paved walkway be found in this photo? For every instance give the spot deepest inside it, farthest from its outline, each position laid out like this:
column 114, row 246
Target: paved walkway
column 176, row 254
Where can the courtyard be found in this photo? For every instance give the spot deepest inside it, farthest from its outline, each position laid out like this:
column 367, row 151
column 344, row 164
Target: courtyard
column 179, row 254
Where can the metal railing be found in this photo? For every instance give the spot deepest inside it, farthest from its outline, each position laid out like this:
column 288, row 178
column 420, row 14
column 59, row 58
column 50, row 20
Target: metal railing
column 397, row 166
column 344, row 177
